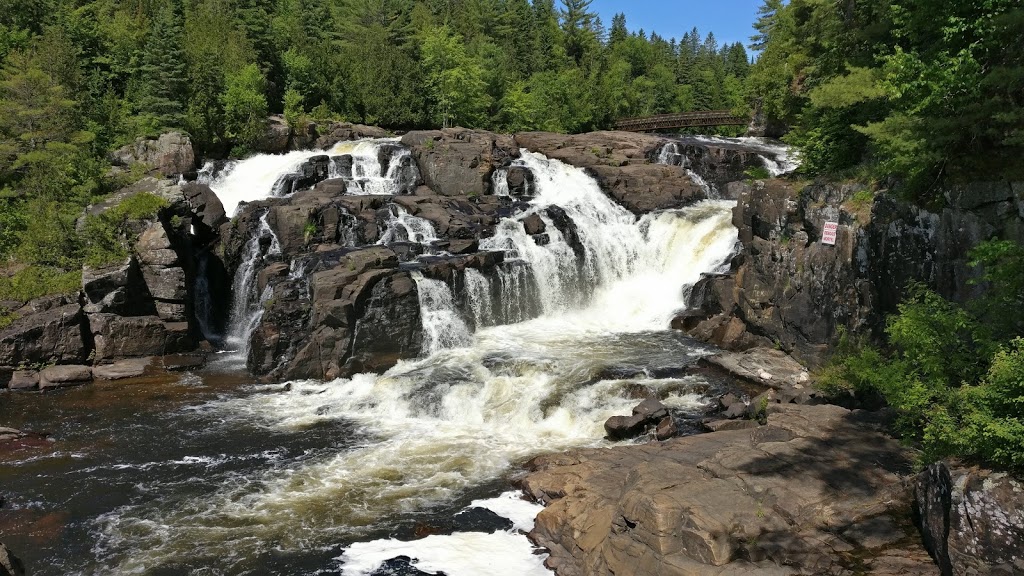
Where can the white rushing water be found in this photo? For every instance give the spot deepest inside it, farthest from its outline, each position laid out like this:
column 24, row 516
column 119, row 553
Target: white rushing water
column 404, row 227
column 254, row 178
column 246, row 305
column 476, row 405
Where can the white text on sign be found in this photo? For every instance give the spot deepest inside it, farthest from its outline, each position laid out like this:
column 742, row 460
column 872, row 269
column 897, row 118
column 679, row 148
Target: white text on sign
column 828, row 234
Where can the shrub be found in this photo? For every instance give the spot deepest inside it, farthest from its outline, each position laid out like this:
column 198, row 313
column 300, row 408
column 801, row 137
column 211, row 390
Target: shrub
column 106, row 236
column 35, row 281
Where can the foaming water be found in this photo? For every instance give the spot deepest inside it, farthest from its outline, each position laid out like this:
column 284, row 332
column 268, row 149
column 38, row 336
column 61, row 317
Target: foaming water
column 429, row 431
column 255, row 177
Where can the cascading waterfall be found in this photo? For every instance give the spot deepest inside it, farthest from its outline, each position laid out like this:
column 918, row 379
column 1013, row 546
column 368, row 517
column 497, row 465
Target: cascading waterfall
column 671, row 154
column 368, row 175
column 475, row 405
column 404, row 227
column 246, row 305
column 442, row 326
column 255, row 177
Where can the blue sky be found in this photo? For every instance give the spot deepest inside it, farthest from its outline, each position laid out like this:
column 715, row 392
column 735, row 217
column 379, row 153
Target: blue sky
column 730, row 20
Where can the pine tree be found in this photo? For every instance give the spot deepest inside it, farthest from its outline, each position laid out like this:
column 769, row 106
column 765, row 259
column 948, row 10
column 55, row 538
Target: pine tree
column 162, row 75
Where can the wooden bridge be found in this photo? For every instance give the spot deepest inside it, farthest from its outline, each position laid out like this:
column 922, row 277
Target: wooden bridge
column 684, row 120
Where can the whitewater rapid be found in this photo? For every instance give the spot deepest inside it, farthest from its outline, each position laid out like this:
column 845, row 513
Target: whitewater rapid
column 475, row 406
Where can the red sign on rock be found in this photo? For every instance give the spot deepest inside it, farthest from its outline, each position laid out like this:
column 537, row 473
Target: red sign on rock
column 828, row 234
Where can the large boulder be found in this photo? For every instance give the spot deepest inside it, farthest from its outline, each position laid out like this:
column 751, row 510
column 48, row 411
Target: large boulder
column 460, row 162
column 169, row 155
column 120, row 337
column 276, row 136
column 345, row 131
column 808, row 493
column 972, row 520
column 56, row 335
column 207, row 208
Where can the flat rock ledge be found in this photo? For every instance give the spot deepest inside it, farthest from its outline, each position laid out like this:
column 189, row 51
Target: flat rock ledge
column 815, row 491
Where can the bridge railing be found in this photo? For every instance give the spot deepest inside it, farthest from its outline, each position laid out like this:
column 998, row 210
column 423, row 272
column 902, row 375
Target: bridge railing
column 681, row 120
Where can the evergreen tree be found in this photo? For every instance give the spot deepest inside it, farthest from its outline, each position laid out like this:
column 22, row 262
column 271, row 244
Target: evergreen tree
column 162, row 77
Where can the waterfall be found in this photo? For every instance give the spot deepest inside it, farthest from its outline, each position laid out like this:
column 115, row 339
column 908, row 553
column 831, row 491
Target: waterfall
column 481, row 302
column 403, row 227
column 255, row 177
column 671, row 154
column 365, row 173
column 246, row 305
column 442, row 326
column 499, row 182
column 550, row 325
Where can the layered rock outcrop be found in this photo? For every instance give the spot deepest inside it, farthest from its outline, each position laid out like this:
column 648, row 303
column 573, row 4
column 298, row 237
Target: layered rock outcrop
column 789, row 289
column 816, row 491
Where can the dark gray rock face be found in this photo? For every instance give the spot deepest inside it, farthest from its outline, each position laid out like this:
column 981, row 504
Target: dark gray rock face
column 648, row 413
column 972, row 520
column 50, row 336
column 460, row 162
column 786, row 286
column 207, row 208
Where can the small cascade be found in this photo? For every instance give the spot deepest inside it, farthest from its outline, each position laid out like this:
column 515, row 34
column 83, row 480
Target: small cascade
column 247, row 305
column 381, row 167
column 710, row 190
column 499, row 182
column 518, row 294
column 478, row 294
column 443, row 328
column 672, row 155
column 404, row 227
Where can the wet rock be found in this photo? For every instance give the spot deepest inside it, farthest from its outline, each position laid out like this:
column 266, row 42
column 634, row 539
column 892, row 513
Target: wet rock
column 772, row 500
column 726, row 425
column 131, row 368
column 561, row 220
column 10, row 565
column 666, row 429
column 533, row 224
column 61, row 376
column 648, row 413
column 169, row 155
column 207, row 208
column 520, row 182
column 972, row 519
column 51, row 336
column 312, row 171
column 182, row 362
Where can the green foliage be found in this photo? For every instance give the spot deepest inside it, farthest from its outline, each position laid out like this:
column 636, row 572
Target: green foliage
column 455, row 80
column 35, row 281
column 245, row 106
column 925, row 90
column 107, row 237
column 955, row 379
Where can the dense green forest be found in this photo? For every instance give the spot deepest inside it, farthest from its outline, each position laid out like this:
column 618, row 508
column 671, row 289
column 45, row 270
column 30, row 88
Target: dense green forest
column 927, row 91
